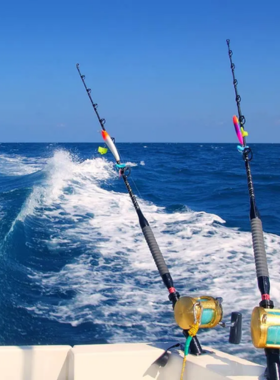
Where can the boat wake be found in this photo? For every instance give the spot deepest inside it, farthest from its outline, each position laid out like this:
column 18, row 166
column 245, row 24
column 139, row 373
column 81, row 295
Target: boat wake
column 78, row 243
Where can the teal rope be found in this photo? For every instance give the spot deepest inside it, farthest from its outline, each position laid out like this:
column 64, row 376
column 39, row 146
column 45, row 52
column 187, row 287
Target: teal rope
column 187, row 345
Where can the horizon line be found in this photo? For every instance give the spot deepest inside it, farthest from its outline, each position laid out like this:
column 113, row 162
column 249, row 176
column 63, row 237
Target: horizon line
column 126, row 142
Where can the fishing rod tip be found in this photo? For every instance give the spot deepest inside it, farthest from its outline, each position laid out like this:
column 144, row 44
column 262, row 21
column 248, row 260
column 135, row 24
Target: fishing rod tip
column 228, row 41
column 77, row 65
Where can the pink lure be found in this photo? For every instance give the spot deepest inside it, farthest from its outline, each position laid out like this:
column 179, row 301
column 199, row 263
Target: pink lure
column 237, row 129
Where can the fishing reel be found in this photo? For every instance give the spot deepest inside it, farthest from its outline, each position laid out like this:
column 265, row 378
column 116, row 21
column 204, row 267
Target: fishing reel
column 207, row 312
column 265, row 327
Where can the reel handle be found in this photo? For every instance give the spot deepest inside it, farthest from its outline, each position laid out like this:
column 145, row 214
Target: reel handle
column 235, row 332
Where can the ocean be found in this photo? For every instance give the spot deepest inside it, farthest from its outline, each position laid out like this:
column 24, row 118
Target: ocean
column 75, row 268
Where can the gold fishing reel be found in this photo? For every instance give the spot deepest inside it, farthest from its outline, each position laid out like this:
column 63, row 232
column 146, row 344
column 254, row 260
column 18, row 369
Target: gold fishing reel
column 265, row 327
column 205, row 310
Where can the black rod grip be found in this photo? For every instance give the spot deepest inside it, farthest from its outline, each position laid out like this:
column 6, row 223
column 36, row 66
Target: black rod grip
column 155, row 251
column 258, row 247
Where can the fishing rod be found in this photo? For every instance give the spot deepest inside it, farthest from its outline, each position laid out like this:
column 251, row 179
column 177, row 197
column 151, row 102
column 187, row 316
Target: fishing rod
column 146, row 229
column 265, row 323
column 190, row 313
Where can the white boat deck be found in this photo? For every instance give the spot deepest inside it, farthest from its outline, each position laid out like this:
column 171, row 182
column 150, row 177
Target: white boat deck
column 130, row 361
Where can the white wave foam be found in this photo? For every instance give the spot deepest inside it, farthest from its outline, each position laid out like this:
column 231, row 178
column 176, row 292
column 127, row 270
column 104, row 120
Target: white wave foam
column 16, row 165
column 142, row 163
column 131, row 164
column 66, row 178
column 114, row 281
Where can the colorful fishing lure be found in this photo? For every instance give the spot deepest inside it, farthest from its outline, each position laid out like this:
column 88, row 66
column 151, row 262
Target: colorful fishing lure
column 238, row 129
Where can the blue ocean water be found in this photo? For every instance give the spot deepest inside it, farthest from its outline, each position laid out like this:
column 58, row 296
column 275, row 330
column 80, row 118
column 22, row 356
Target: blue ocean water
column 75, row 268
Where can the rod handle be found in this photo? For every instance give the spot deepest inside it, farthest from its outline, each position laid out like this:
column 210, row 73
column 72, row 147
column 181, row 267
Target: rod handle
column 155, row 251
column 258, row 247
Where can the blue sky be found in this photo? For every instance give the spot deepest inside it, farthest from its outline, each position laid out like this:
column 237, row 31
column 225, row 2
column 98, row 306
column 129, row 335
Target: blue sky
column 159, row 70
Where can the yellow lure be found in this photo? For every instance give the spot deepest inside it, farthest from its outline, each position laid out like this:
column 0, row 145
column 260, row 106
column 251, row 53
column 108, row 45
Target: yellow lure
column 244, row 133
column 102, row 150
